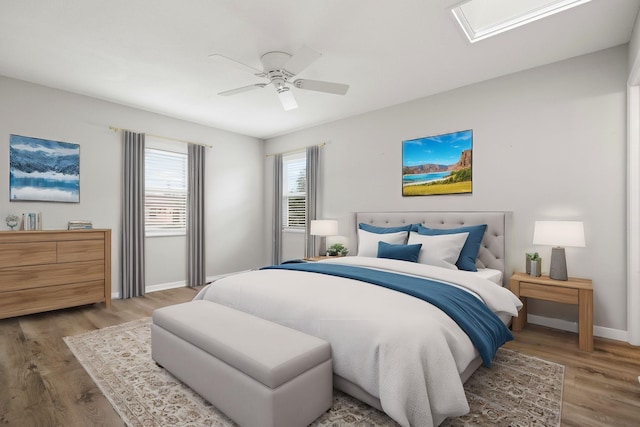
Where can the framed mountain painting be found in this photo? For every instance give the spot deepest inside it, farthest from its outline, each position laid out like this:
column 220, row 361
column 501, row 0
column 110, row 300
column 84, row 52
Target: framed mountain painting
column 43, row 170
column 439, row 164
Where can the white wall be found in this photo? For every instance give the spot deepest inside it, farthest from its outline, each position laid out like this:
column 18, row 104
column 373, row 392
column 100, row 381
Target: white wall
column 548, row 143
column 633, row 188
column 234, row 169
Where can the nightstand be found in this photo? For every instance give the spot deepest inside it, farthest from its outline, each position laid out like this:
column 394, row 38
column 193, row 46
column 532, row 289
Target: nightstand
column 573, row 291
column 318, row 258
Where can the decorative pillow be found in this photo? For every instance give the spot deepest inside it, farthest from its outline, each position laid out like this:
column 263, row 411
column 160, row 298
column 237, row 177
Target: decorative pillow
column 469, row 253
column 401, row 252
column 440, row 250
column 383, row 230
column 368, row 242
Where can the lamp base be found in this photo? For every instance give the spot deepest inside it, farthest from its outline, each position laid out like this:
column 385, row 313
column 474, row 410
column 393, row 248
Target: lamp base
column 558, row 266
column 323, row 246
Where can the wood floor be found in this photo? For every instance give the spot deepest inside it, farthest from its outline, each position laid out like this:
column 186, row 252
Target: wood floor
column 42, row 384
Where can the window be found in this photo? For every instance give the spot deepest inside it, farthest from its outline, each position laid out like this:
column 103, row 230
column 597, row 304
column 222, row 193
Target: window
column 480, row 19
column 294, row 196
column 165, row 197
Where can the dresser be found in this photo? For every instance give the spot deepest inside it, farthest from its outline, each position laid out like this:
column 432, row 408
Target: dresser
column 49, row 270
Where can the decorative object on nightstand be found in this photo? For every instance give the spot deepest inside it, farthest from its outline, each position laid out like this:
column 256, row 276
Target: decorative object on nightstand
column 534, row 264
column 323, row 228
column 558, row 234
column 337, row 249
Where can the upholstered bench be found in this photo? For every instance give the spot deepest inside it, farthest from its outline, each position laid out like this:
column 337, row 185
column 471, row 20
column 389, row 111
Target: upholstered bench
column 257, row 372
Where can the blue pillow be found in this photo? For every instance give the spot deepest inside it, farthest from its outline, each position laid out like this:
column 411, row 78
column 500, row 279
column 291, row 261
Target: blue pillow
column 469, row 253
column 401, row 252
column 383, row 230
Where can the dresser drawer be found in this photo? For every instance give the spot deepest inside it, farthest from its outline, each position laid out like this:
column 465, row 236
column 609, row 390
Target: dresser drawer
column 36, row 276
column 27, row 253
column 80, row 250
column 549, row 293
column 28, row 301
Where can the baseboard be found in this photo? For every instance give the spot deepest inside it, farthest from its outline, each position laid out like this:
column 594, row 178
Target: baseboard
column 165, row 286
column 180, row 284
column 565, row 325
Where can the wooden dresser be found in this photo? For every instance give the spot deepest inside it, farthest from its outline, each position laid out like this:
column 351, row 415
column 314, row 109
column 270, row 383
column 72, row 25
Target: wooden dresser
column 49, row 270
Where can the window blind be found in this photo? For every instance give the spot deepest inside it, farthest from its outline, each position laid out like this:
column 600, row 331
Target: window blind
column 165, row 192
column 294, row 195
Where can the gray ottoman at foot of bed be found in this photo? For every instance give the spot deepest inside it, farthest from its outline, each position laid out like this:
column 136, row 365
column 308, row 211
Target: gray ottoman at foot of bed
column 257, row 372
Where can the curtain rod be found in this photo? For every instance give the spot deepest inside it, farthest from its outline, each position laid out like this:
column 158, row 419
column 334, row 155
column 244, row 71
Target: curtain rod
column 115, row 129
column 322, row 144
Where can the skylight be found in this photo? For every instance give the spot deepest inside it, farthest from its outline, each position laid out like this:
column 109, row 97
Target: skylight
column 480, row 19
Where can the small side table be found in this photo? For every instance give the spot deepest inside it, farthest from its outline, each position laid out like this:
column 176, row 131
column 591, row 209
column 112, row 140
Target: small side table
column 318, row 258
column 573, row 291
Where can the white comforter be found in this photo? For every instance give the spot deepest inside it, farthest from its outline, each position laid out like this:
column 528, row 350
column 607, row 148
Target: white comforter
column 399, row 348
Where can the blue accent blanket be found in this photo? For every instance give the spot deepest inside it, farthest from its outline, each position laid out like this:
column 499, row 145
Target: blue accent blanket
column 484, row 328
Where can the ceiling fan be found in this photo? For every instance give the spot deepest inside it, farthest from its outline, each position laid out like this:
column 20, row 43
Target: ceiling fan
column 280, row 68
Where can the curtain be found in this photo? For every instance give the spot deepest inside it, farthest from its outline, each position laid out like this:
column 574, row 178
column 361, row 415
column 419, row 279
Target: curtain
column 276, row 249
column 313, row 154
column 196, row 260
column 132, row 251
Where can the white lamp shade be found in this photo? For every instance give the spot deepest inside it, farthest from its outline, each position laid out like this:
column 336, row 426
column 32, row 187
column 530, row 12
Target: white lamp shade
column 324, row 227
column 559, row 233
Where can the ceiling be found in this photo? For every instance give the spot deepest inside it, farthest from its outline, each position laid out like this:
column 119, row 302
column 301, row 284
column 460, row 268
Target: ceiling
column 154, row 54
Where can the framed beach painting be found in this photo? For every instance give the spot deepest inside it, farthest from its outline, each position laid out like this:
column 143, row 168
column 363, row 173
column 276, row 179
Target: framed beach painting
column 43, row 170
column 438, row 164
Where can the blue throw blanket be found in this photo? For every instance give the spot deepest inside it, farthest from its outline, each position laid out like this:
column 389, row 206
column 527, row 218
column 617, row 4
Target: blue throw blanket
column 484, row 328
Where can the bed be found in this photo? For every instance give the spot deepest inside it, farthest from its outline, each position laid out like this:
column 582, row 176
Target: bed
column 392, row 350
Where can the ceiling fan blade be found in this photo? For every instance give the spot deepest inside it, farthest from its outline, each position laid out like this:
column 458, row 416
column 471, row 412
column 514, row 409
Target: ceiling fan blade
column 243, row 89
column 301, row 60
column 236, row 64
column 287, row 99
column 320, row 86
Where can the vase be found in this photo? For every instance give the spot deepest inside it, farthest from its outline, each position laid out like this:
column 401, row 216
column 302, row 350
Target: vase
column 536, row 268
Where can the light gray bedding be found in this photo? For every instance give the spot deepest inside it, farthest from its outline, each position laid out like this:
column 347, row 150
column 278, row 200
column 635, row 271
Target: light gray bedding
column 406, row 353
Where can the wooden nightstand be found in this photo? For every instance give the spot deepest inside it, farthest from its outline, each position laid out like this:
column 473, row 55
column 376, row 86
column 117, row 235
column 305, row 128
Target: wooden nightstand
column 573, row 291
column 318, row 258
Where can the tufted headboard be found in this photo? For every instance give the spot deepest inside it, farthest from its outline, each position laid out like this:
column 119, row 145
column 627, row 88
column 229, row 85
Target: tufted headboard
column 493, row 250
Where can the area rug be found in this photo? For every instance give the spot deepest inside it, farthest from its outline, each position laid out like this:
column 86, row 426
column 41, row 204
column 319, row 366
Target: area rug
column 517, row 390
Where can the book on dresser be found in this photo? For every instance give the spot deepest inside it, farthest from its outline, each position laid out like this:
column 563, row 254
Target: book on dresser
column 79, row 225
column 53, row 269
column 31, row 221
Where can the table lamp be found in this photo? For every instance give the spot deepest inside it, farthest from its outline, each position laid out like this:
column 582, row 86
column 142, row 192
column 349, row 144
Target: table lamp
column 323, row 228
column 558, row 234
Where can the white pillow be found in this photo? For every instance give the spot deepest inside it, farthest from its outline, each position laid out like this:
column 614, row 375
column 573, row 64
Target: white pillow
column 368, row 242
column 441, row 250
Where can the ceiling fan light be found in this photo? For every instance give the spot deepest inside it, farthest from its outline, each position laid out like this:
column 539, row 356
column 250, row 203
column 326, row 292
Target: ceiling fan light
column 286, row 99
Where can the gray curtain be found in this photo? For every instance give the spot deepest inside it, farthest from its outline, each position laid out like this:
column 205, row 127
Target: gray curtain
column 276, row 249
column 132, row 251
column 196, row 260
column 313, row 154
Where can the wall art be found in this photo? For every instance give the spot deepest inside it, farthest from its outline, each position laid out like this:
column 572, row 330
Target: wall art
column 438, row 164
column 43, row 170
